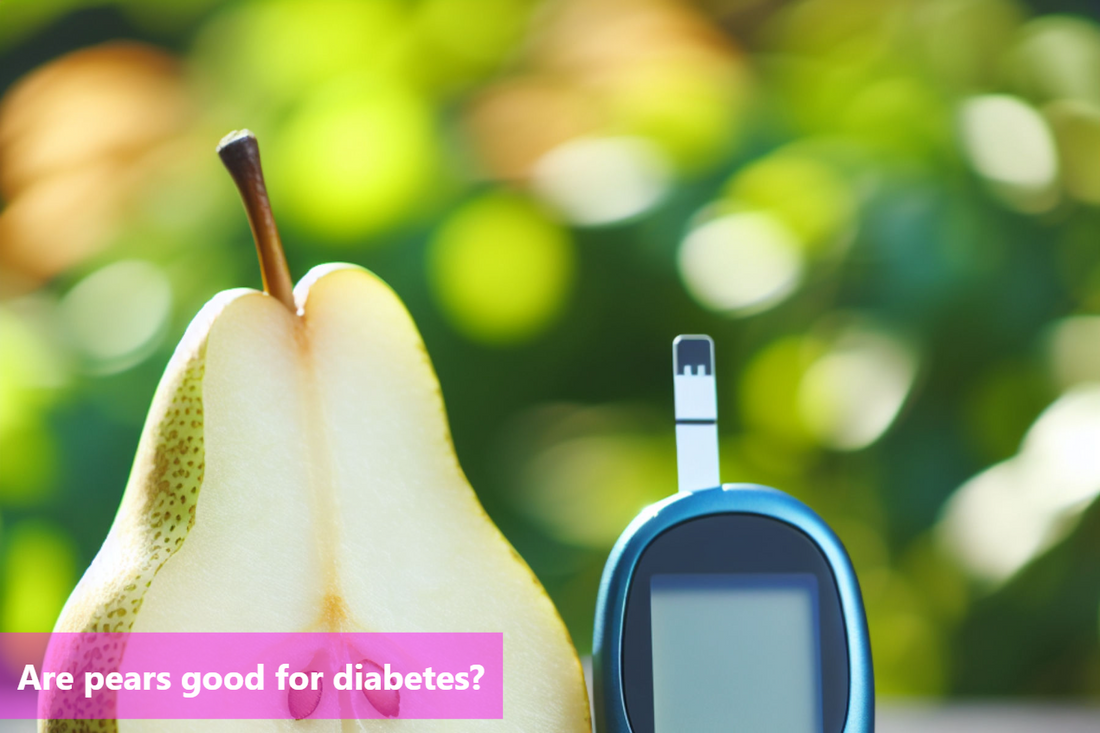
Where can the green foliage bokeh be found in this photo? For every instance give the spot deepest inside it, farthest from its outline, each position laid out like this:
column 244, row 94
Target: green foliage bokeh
column 884, row 212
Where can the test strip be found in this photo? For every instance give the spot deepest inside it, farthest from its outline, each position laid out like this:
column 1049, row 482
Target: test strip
column 696, row 412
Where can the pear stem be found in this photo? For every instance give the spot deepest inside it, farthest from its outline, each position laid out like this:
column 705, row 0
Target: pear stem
column 240, row 153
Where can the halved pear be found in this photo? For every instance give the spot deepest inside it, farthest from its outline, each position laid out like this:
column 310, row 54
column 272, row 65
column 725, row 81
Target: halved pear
column 296, row 473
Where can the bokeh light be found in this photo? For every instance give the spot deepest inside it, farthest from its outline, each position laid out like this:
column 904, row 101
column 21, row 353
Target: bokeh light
column 501, row 269
column 851, row 394
column 74, row 136
column 39, row 570
column 100, row 103
column 1073, row 350
column 513, row 124
column 1076, row 128
column 688, row 109
column 815, row 202
column 591, row 472
column 456, row 40
column 596, row 181
column 282, row 50
column 356, row 158
column 1010, row 144
column 1009, row 514
column 741, row 263
column 31, row 369
column 768, row 397
column 1057, row 57
column 116, row 315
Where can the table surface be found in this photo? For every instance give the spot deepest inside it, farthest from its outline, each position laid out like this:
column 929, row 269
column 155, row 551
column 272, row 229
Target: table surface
column 969, row 717
column 908, row 717
column 987, row 717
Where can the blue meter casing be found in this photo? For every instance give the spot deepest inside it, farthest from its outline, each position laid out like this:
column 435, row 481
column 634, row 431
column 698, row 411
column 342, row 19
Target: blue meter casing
column 732, row 608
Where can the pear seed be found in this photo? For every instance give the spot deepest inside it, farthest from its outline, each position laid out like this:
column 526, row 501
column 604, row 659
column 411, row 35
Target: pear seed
column 386, row 702
column 302, row 703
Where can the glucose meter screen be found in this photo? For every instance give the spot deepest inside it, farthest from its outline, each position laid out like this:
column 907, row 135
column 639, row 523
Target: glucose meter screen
column 735, row 653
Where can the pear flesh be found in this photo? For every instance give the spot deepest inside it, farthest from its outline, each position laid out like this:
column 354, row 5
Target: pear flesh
column 296, row 473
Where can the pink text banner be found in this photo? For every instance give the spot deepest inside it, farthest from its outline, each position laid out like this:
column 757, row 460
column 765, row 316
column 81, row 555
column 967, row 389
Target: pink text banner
column 172, row 676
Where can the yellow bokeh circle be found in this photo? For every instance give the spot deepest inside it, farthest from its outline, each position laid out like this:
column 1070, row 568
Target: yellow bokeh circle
column 501, row 269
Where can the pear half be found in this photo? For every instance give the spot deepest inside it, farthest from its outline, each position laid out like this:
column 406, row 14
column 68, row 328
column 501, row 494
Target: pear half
column 296, row 473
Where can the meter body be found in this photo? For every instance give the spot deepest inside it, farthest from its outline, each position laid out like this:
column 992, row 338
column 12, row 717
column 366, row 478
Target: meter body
column 729, row 608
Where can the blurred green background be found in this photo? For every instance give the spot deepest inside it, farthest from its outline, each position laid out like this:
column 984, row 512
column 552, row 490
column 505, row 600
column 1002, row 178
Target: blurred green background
column 886, row 212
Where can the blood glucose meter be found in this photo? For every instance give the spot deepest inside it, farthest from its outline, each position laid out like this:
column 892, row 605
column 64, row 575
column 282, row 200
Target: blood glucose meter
column 729, row 608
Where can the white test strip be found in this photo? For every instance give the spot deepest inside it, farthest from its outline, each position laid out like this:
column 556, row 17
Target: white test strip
column 696, row 412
